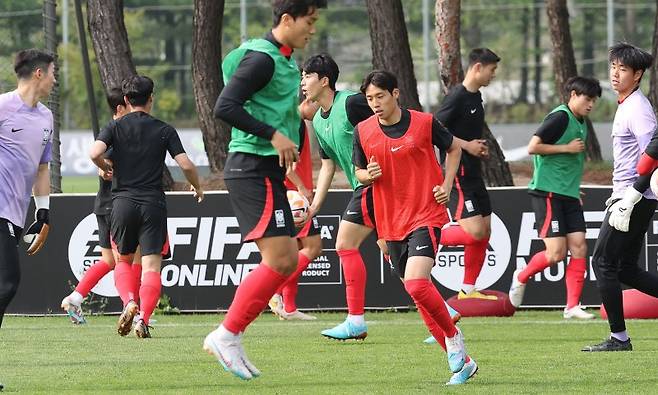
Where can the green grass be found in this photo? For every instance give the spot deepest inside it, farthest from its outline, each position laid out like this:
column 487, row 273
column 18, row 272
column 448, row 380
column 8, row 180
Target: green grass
column 532, row 352
column 80, row 184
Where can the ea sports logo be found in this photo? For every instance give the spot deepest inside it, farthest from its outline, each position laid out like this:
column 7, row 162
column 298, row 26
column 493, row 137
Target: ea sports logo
column 84, row 251
column 449, row 268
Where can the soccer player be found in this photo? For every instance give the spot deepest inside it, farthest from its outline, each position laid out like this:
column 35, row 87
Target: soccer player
column 632, row 205
column 340, row 112
column 139, row 210
column 71, row 304
column 26, row 127
column 558, row 147
column 283, row 303
column 260, row 101
column 463, row 114
column 396, row 147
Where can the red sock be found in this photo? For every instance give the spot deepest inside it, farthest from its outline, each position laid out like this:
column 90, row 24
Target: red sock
column 124, row 281
column 474, row 255
column 575, row 280
column 289, row 288
column 355, row 280
column 251, row 297
column 456, row 236
column 137, row 272
column 92, row 276
column 537, row 263
column 434, row 328
column 425, row 294
column 149, row 294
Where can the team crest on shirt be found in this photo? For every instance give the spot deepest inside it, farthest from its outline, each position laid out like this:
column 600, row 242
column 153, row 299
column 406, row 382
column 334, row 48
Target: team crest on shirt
column 46, row 136
column 279, row 218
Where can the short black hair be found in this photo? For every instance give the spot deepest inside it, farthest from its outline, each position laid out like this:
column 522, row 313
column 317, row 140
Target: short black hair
column 325, row 66
column 381, row 79
column 137, row 89
column 587, row 86
column 27, row 61
column 114, row 99
column 294, row 8
column 630, row 55
column 484, row 56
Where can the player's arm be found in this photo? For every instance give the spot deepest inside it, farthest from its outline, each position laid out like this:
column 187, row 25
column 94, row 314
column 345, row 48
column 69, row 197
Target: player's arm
column 326, row 174
column 649, row 160
column 176, row 150
column 253, row 73
column 443, row 140
column 550, row 131
column 100, row 146
column 37, row 233
column 367, row 170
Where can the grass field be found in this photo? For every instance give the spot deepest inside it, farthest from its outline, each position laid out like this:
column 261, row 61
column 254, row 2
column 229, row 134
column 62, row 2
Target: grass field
column 80, row 184
column 530, row 352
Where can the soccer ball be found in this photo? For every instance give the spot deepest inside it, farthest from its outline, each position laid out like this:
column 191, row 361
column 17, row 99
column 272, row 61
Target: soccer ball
column 654, row 183
column 298, row 205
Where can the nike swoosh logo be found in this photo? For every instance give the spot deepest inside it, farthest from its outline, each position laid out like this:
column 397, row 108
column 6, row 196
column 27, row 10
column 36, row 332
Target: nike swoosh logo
column 15, row 130
column 393, row 149
column 418, row 248
column 351, row 213
column 473, row 110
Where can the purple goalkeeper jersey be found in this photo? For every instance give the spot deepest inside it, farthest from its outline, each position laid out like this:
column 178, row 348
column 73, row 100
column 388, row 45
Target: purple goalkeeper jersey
column 25, row 141
column 632, row 128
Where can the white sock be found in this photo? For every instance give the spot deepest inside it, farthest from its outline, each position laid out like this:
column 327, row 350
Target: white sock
column 225, row 334
column 76, row 298
column 468, row 288
column 621, row 336
column 357, row 319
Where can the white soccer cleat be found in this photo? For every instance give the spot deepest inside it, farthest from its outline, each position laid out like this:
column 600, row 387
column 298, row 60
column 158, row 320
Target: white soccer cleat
column 456, row 351
column 73, row 310
column 516, row 290
column 276, row 305
column 250, row 366
column 297, row 316
column 228, row 354
column 577, row 312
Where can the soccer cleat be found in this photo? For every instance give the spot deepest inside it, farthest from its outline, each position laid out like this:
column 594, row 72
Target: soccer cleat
column 430, row 340
column 297, row 316
column 142, row 330
column 577, row 312
column 346, row 331
column 611, row 344
column 276, row 305
column 125, row 323
column 516, row 290
column 456, row 351
column 228, row 354
column 475, row 294
column 469, row 370
column 250, row 366
column 74, row 311
column 454, row 314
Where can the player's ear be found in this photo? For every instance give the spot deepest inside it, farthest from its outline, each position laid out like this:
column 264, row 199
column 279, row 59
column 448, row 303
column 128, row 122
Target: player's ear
column 396, row 93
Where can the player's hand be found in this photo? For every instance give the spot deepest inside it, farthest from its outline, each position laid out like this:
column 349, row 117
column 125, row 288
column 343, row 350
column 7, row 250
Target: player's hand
column 374, row 171
column 477, row 148
column 287, row 150
column 440, row 195
column 37, row 233
column 621, row 210
column 575, row 146
column 306, row 193
column 198, row 193
column 105, row 175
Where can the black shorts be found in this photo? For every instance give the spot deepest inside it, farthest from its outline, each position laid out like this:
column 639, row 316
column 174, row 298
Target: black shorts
column 261, row 207
column 421, row 242
column 135, row 224
column 361, row 210
column 557, row 216
column 104, row 224
column 469, row 197
column 311, row 228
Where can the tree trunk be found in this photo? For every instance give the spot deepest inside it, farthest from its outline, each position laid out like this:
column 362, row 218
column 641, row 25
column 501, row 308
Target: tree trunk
column 537, row 50
column 207, row 79
column 564, row 64
column 653, row 71
column 495, row 170
column 589, row 23
column 525, row 32
column 390, row 47
column 110, row 40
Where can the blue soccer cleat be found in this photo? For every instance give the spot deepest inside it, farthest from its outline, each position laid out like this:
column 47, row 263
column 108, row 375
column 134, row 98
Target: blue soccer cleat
column 454, row 314
column 467, row 371
column 456, row 351
column 74, row 311
column 346, row 331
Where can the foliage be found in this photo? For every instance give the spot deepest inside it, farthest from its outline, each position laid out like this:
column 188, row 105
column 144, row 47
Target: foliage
column 164, row 306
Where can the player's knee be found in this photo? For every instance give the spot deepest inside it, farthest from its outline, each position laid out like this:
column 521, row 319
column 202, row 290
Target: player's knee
column 8, row 288
column 578, row 249
column 480, row 234
column 288, row 265
column 312, row 250
column 554, row 256
column 344, row 243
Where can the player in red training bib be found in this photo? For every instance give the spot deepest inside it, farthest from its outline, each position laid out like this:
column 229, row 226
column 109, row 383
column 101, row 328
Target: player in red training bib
column 394, row 151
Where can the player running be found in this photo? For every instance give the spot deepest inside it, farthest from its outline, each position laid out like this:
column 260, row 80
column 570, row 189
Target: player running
column 558, row 147
column 26, row 128
column 260, row 101
column 396, row 147
column 139, row 210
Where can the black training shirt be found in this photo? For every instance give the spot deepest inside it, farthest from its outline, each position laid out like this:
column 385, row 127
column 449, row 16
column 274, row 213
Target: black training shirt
column 553, row 127
column 103, row 201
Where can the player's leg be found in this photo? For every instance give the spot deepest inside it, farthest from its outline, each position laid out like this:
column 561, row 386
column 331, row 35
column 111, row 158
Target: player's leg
column 137, row 271
column 311, row 249
column 71, row 304
column 10, row 273
column 575, row 276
